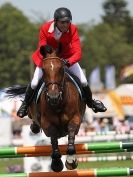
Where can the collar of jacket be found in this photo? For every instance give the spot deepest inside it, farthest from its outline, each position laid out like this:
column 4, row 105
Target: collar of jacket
column 52, row 28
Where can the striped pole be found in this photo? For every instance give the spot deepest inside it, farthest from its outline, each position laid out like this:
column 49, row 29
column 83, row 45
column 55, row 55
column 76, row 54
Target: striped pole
column 88, row 147
column 48, row 154
column 80, row 173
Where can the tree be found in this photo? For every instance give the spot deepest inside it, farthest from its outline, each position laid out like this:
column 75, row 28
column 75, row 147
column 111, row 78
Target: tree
column 17, row 41
column 115, row 12
column 104, row 45
column 129, row 30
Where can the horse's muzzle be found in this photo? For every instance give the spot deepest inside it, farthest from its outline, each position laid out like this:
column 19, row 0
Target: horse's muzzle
column 54, row 99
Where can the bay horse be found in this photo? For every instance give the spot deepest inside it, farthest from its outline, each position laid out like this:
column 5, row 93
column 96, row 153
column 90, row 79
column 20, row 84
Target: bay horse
column 60, row 108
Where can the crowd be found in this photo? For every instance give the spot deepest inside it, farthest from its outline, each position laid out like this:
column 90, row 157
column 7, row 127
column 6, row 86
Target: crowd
column 99, row 125
column 106, row 124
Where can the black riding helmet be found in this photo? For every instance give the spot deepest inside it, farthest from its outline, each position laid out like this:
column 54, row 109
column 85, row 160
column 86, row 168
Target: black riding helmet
column 62, row 14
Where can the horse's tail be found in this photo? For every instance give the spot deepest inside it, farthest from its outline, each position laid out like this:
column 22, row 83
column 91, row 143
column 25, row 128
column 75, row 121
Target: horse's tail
column 15, row 91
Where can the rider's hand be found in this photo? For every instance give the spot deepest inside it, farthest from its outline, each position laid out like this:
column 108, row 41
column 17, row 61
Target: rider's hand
column 44, row 49
column 48, row 49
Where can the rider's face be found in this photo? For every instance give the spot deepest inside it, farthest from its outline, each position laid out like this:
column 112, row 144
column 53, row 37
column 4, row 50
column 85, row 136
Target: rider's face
column 63, row 25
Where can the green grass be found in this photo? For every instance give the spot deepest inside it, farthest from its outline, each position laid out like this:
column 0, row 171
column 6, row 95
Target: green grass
column 106, row 164
column 4, row 163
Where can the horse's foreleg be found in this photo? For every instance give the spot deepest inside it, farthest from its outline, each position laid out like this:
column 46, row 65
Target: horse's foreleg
column 56, row 164
column 71, row 160
column 71, row 139
column 56, row 152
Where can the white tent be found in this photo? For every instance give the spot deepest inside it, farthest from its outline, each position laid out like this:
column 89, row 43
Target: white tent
column 125, row 93
column 105, row 98
column 119, row 102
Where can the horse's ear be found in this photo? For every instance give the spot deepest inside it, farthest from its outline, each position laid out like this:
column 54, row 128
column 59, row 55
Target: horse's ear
column 42, row 51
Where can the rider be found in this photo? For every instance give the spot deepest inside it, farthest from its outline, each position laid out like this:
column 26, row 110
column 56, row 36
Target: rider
column 51, row 33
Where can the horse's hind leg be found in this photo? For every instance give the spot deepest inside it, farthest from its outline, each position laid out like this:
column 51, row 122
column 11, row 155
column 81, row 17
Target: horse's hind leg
column 56, row 164
column 71, row 160
column 35, row 128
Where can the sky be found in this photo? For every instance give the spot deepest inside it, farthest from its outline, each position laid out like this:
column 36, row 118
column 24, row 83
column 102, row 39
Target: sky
column 83, row 11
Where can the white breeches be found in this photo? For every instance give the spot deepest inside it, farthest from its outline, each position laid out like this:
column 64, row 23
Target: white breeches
column 36, row 77
column 75, row 69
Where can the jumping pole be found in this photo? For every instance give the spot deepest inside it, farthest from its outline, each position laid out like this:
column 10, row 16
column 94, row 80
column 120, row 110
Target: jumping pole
column 88, row 148
column 102, row 172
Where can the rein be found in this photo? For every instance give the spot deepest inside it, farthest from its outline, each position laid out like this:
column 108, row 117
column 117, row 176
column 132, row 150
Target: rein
column 47, row 58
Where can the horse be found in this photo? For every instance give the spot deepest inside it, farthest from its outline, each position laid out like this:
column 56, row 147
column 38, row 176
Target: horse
column 59, row 110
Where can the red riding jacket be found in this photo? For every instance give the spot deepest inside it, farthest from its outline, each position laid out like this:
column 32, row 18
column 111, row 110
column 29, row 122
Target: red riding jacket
column 71, row 49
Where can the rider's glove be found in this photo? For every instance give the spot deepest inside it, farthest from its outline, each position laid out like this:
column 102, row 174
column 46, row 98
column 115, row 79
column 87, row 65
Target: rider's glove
column 44, row 49
column 48, row 49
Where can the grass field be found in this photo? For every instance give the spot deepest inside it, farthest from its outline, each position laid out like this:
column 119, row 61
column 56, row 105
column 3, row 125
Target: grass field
column 106, row 164
column 4, row 163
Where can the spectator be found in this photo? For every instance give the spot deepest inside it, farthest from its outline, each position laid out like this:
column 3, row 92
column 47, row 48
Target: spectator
column 123, row 126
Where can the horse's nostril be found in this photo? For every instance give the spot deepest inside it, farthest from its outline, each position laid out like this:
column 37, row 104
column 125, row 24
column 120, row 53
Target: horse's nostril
column 53, row 96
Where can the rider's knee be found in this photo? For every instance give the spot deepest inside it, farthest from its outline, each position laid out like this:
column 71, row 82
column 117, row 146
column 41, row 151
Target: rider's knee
column 34, row 84
column 84, row 84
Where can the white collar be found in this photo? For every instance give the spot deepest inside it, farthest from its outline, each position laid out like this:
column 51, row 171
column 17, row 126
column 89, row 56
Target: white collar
column 51, row 28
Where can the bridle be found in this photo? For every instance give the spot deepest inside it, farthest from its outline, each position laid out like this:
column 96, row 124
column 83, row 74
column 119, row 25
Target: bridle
column 59, row 84
column 47, row 58
column 55, row 83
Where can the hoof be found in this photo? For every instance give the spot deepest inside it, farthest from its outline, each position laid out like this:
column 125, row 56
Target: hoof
column 71, row 162
column 35, row 128
column 57, row 165
column 71, row 166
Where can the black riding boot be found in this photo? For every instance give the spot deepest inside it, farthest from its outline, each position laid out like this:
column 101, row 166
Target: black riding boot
column 23, row 110
column 96, row 105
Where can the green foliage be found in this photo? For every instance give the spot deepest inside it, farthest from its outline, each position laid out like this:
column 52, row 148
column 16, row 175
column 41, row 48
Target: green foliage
column 17, row 41
column 129, row 30
column 111, row 41
column 115, row 11
column 104, row 45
